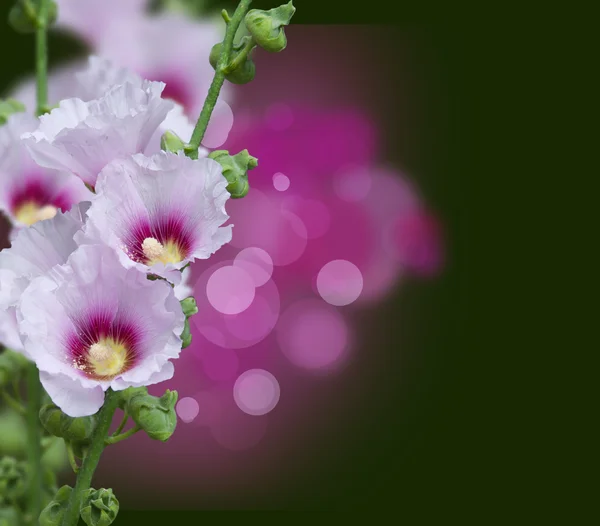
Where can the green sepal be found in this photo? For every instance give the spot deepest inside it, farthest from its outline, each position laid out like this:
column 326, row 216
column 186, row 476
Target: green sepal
column 189, row 306
column 267, row 26
column 171, row 142
column 99, row 507
column 156, row 416
column 235, row 169
column 60, row 425
column 52, row 514
column 8, row 107
column 186, row 335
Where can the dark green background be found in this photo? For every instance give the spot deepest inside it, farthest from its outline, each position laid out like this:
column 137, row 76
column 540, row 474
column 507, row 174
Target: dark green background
column 430, row 454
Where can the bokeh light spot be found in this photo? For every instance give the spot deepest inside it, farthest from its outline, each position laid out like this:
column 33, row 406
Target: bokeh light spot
column 221, row 122
column 281, row 182
column 187, row 409
column 230, row 290
column 257, row 263
column 353, row 184
column 256, row 392
column 339, row 282
column 313, row 335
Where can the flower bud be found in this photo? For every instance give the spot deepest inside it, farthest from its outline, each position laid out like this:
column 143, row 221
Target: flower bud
column 78, row 429
column 99, row 507
column 52, row 514
column 189, row 306
column 129, row 394
column 8, row 107
column 267, row 26
column 244, row 72
column 186, row 335
column 51, row 419
column 156, row 416
column 13, row 478
column 170, row 142
column 235, row 170
column 24, row 19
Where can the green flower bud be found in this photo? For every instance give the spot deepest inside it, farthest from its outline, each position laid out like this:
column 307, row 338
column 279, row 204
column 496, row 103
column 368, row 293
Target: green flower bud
column 78, row 429
column 235, row 170
column 244, row 72
column 186, row 335
column 23, row 18
column 52, row 417
column 156, row 416
column 189, row 306
column 129, row 394
column 9, row 516
column 267, row 26
column 13, row 478
column 99, row 507
column 52, row 514
column 170, row 142
column 8, row 107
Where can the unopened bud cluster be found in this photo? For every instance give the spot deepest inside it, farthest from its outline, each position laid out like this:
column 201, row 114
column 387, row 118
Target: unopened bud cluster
column 235, row 170
column 266, row 30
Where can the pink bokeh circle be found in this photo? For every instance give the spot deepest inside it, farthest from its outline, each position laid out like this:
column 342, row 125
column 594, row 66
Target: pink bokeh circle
column 256, row 392
column 257, row 263
column 281, row 182
column 230, row 289
column 340, row 282
column 313, row 335
column 187, row 409
column 236, row 331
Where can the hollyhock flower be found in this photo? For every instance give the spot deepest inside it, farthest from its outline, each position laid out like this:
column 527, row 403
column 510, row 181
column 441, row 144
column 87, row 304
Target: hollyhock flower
column 161, row 212
column 28, row 192
column 181, row 61
column 83, row 137
column 102, row 74
column 183, row 289
column 34, row 252
column 93, row 325
column 91, row 19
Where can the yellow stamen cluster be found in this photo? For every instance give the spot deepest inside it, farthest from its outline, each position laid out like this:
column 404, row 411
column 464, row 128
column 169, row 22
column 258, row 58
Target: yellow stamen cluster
column 156, row 252
column 30, row 213
column 107, row 358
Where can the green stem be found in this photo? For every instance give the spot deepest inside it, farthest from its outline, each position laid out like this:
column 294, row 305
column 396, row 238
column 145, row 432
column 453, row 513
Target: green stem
column 41, row 58
column 34, row 438
column 241, row 56
column 71, row 456
column 191, row 150
column 123, row 422
column 87, row 469
column 117, row 438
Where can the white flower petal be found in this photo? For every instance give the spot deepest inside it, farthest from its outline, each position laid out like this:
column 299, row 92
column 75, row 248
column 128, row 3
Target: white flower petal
column 73, row 399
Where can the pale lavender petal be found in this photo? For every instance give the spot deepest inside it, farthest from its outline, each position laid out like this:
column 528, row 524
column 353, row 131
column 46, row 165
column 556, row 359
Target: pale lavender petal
column 73, row 399
column 83, row 137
